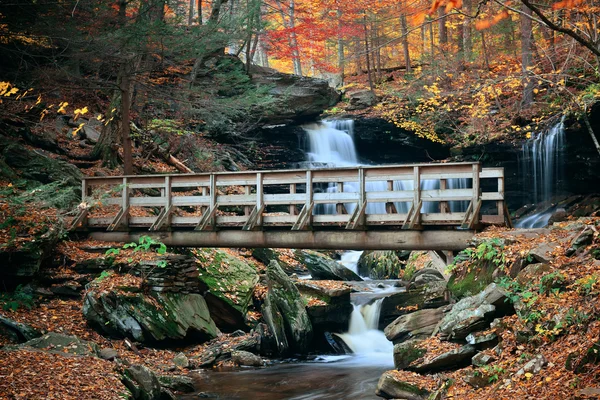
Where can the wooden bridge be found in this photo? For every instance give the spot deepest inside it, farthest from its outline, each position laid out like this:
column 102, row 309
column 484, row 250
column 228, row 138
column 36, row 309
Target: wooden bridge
column 382, row 207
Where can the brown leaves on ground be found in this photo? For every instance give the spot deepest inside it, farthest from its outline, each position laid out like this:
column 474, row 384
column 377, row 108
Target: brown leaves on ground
column 35, row 375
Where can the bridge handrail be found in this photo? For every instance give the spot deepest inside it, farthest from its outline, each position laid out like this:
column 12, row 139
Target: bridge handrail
column 350, row 206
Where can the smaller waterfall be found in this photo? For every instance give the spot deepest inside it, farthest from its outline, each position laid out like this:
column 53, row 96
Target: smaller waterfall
column 350, row 260
column 363, row 337
column 542, row 168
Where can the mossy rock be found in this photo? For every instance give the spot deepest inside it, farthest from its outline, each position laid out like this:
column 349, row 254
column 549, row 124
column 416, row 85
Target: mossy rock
column 284, row 305
column 380, row 264
column 230, row 282
column 158, row 317
column 473, row 281
column 323, row 267
column 391, row 386
column 407, row 352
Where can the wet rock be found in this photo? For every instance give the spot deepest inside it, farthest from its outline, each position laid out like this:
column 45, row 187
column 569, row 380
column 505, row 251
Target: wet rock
column 181, row 361
column 285, row 312
column 220, row 350
column 265, row 255
column 142, row 383
column 379, row 264
column 450, row 360
column 17, row 331
column 177, row 383
column 418, row 324
column 323, row 267
column 329, row 308
column 57, row 343
column 390, row 386
column 406, row 353
column 231, row 282
column 482, row 340
column 559, row 215
column 245, row 358
column 149, row 318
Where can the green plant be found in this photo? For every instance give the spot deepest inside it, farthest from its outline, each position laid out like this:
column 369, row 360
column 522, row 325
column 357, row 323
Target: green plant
column 17, row 299
column 103, row 276
column 552, row 282
column 493, row 372
column 587, row 285
column 145, row 243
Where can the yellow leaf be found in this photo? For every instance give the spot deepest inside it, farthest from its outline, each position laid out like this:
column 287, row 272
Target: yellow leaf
column 62, row 107
column 549, row 379
column 528, row 375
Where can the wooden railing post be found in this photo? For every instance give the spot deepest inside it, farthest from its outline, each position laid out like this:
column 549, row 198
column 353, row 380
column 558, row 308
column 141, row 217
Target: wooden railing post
column 417, row 195
column 339, row 207
column 292, row 206
column 444, row 208
column 259, row 198
column 125, row 204
column 247, row 192
column 500, row 203
column 309, row 196
column 213, row 199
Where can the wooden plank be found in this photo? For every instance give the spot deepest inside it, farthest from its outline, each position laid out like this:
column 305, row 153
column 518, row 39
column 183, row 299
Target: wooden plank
column 444, row 207
column 293, row 188
column 328, row 239
column 208, row 219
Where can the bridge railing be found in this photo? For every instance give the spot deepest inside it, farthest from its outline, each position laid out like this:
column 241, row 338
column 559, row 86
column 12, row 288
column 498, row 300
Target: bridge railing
column 407, row 196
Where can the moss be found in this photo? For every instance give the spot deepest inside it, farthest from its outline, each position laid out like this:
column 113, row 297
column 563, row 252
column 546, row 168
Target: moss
column 472, row 282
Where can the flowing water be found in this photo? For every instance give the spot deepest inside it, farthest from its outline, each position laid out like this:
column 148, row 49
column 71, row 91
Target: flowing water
column 542, row 166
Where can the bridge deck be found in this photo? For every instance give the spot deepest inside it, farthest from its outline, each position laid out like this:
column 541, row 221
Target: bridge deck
column 354, row 207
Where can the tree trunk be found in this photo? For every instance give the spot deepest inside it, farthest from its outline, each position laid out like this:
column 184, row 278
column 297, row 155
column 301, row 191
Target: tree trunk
column 125, row 88
column 485, row 51
column 340, row 49
column 191, row 14
column 443, row 34
column 405, row 48
column 467, row 37
column 367, row 53
column 294, row 41
column 526, row 55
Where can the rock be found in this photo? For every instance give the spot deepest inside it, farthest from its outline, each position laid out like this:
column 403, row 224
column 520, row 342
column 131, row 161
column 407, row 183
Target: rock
column 265, row 255
column 287, row 312
column 181, row 361
column 69, row 289
column 108, row 354
column 559, row 215
column 457, row 325
column 543, row 252
column 379, row 264
column 245, row 358
column 17, row 331
column 142, row 383
column 532, row 273
column 329, row 308
column 149, row 318
column 482, row 340
column 296, row 97
column 425, row 276
column 91, row 133
column 177, row 383
column 220, row 350
column 450, row 360
column 418, row 324
column 533, row 366
column 431, row 295
column 482, row 359
column 477, row 380
column 57, row 343
column 473, row 313
column 407, row 352
column 390, row 386
column 274, row 320
column 322, row 267
column 585, row 238
column 231, row 282
column 360, row 99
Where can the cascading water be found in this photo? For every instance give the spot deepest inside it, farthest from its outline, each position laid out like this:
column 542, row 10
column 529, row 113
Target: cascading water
column 363, row 337
column 542, row 166
column 331, row 144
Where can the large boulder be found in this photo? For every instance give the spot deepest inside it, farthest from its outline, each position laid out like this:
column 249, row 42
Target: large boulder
column 266, row 255
column 230, row 282
column 419, row 324
column 379, row 264
column 405, row 353
column 431, row 295
column 285, row 312
column 473, row 313
column 58, row 343
column 328, row 305
column 396, row 385
column 142, row 383
column 17, row 331
column 452, row 359
column 323, row 267
column 297, row 98
column 149, row 318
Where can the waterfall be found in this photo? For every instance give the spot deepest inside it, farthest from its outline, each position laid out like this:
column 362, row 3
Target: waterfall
column 331, row 144
column 363, row 337
column 542, row 168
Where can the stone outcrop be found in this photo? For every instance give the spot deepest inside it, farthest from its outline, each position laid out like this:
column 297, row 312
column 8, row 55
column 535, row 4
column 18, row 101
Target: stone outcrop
column 329, row 308
column 17, row 331
column 285, row 313
column 431, row 295
column 230, row 283
column 58, row 343
column 149, row 318
column 450, row 360
column 323, row 267
column 298, row 98
column 391, row 386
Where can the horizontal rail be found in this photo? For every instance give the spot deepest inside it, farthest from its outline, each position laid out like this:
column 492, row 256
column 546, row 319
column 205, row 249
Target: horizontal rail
column 355, row 198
